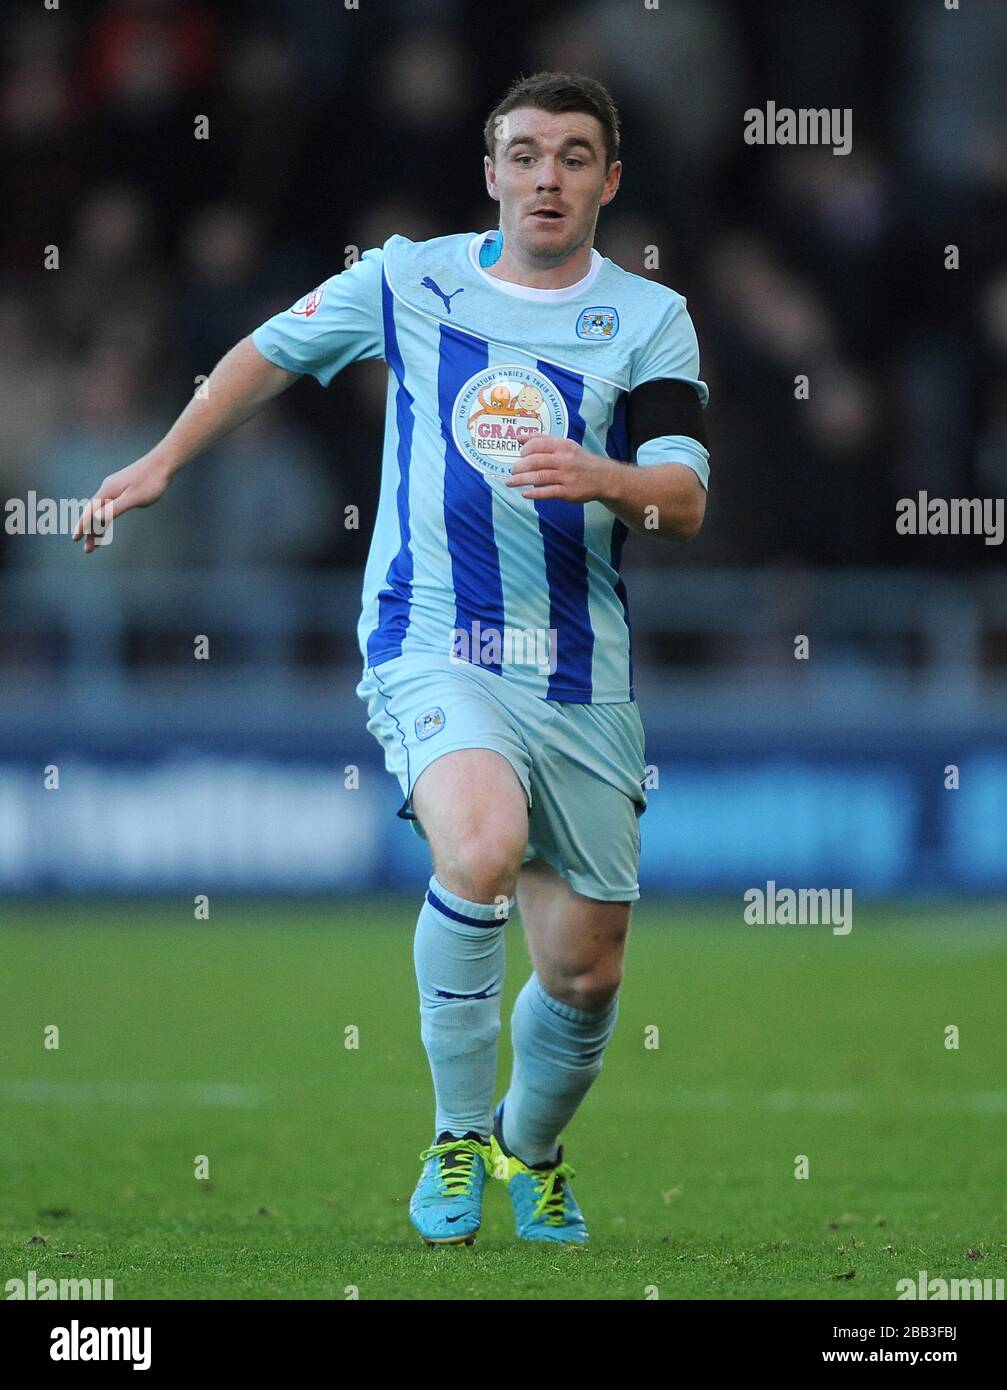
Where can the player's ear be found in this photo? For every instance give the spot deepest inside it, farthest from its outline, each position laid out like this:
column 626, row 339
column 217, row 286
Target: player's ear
column 612, row 179
column 491, row 178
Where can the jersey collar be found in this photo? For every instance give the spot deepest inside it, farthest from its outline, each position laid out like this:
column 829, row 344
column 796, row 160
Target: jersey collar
column 526, row 291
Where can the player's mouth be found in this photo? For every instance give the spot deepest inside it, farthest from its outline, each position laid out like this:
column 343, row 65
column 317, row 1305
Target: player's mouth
column 548, row 215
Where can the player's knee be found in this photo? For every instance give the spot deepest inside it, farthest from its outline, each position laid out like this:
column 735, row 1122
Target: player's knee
column 591, row 990
column 481, row 865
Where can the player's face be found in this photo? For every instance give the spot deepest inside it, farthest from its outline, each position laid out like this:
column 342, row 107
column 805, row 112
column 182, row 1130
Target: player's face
column 549, row 178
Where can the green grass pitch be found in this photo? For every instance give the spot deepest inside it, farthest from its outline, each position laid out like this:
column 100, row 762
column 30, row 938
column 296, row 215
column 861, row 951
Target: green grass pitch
column 226, row 1038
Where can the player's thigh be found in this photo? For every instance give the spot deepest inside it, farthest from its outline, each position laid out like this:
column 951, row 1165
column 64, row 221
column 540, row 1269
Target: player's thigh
column 576, row 943
column 454, row 738
column 474, row 812
column 587, row 800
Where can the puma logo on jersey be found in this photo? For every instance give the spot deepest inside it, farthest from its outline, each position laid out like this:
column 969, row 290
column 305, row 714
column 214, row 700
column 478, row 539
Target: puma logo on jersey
column 428, row 284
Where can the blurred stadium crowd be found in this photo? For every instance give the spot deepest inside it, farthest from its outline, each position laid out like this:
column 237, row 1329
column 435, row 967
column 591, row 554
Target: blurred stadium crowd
column 332, row 128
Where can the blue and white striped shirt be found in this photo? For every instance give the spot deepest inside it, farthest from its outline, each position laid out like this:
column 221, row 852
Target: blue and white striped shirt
column 459, row 563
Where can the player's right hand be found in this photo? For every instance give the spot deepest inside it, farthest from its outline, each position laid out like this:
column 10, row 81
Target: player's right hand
column 137, row 485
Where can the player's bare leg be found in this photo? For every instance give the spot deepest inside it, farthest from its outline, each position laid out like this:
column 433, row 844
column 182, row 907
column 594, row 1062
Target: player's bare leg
column 475, row 814
column 562, row 1021
column 576, row 944
column 473, row 811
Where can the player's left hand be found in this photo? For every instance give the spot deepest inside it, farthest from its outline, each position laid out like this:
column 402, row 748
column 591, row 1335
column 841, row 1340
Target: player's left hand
column 554, row 467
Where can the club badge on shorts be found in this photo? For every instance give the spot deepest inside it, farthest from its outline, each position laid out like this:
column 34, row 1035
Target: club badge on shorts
column 430, row 722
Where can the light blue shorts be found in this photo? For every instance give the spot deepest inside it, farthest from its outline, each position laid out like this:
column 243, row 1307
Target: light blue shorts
column 581, row 766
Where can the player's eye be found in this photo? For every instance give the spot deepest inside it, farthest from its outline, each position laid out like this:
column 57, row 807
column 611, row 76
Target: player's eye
column 521, row 158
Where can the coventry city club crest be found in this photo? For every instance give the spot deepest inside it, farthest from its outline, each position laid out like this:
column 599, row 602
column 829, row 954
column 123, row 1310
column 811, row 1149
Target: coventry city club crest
column 498, row 409
column 598, row 324
column 430, row 722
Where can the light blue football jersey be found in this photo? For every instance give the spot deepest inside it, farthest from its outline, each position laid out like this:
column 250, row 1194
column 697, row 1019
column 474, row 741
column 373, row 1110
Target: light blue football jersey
column 459, row 563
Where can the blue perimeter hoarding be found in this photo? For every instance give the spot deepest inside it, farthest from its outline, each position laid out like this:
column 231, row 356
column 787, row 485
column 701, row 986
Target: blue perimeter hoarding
column 876, row 817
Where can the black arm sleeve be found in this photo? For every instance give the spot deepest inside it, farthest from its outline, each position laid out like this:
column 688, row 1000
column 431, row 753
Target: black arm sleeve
column 664, row 407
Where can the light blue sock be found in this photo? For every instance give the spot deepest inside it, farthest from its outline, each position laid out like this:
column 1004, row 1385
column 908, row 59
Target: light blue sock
column 460, row 958
column 557, row 1054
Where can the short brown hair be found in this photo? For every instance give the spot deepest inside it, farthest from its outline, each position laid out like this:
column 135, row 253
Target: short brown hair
column 557, row 92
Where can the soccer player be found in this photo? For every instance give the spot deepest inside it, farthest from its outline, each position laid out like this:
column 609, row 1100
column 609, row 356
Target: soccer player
column 542, row 403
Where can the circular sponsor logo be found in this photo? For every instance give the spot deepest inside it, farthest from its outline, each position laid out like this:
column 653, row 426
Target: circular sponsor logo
column 498, row 409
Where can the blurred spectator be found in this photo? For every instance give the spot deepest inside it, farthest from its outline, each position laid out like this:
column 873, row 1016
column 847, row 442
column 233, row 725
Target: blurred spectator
column 148, row 69
column 31, row 378
column 40, row 173
column 109, row 268
column 221, row 282
column 953, row 118
column 269, row 497
column 264, row 124
column 992, row 445
column 104, row 422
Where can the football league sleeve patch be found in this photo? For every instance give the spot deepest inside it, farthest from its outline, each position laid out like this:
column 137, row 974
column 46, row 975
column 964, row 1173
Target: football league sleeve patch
column 338, row 322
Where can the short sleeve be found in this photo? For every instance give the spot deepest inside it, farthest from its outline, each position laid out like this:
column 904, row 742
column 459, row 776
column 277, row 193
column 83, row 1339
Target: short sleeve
column 338, row 323
column 671, row 353
column 677, row 448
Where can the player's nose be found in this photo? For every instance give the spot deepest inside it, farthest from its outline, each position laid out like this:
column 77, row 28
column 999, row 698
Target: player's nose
column 548, row 178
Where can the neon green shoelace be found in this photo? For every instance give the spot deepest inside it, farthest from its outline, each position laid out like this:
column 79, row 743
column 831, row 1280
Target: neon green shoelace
column 455, row 1180
column 552, row 1196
